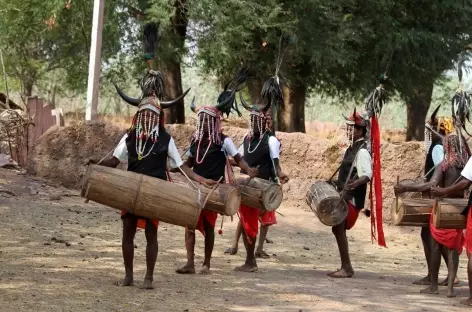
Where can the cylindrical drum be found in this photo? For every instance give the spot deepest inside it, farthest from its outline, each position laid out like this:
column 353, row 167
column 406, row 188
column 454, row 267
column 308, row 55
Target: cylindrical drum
column 260, row 193
column 326, row 203
column 225, row 199
column 142, row 195
column 411, row 211
column 447, row 213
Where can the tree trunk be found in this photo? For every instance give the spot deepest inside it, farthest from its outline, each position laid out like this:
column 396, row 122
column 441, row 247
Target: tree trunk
column 255, row 88
column 176, row 114
column 417, row 107
column 291, row 115
column 28, row 87
column 173, row 71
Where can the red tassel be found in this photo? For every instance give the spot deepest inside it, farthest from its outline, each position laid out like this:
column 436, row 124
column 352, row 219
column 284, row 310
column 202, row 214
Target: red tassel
column 376, row 184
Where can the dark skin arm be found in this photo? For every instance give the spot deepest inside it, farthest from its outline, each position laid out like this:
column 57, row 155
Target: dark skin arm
column 283, row 178
column 457, row 188
column 241, row 163
column 420, row 187
column 357, row 182
column 112, row 162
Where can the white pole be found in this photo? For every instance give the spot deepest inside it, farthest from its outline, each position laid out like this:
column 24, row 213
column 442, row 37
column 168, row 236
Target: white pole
column 95, row 60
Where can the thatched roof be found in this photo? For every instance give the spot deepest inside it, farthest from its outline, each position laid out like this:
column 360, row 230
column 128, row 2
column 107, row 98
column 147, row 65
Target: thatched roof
column 3, row 101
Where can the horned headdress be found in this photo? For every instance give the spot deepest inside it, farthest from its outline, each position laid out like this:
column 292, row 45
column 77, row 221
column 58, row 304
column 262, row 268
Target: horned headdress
column 209, row 117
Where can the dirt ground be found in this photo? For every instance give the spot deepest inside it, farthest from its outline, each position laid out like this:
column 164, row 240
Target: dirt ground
column 59, row 254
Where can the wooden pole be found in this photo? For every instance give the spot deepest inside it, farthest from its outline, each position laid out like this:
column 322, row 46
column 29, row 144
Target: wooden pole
column 6, row 80
column 95, row 61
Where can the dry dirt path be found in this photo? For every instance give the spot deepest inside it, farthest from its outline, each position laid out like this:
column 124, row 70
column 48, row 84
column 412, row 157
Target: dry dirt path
column 60, row 254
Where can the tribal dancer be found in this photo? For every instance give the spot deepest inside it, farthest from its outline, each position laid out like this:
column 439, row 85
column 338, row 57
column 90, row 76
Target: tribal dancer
column 435, row 155
column 208, row 157
column 356, row 171
column 459, row 187
column 146, row 148
column 448, row 241
column 260, row 148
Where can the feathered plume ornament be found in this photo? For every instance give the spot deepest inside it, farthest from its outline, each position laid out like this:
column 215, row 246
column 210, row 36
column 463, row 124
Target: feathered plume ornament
column 150, row 39
column 461, row 103
column 227, row 98
column 272, row 92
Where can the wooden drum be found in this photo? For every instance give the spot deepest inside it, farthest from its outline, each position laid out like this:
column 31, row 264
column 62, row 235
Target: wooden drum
column 412, row 211
column 326, row 203
column 225, row 199
column 260, row 193
column 447, row 213
column 142, row 195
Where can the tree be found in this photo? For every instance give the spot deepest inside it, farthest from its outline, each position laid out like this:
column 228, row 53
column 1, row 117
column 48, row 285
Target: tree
column 44, row 36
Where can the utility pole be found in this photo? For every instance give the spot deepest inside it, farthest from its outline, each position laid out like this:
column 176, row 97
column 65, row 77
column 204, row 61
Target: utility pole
column 93, row 86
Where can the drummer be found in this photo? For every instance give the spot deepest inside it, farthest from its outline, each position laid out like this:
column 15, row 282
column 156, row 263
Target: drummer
column 358, row 157
column 146, row 148
column 462, row 185
column 435, row 155
column 449, row 241
column 208, row 157
column 262, row 149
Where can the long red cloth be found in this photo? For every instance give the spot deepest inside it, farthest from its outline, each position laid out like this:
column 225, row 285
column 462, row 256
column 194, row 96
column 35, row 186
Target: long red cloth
column 210, row 216
column 249, row 218
column 450, row 238
column 268, row 218
column 376, row 184
column 352, row 215
column 468, row 233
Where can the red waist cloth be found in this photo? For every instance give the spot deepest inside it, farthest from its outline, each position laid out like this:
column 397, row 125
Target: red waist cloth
column 141, row 222
column 450, row 238
column 468, row 233
column 352, row 215
column 268, row 218
column 210, row 216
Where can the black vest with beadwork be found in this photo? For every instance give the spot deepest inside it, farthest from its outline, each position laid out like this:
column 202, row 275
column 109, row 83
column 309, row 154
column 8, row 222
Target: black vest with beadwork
column 155, row 164
column 213, row 164
column 358, row 193
column 429, row 163
column 259, row 156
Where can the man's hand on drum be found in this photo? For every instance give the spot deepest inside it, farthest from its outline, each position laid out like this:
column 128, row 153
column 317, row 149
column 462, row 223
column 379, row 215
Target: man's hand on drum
column 399, row 189
column 438, row 192
column 252, row 172
column 90, row 161
column 283, row 178
column 207, row 182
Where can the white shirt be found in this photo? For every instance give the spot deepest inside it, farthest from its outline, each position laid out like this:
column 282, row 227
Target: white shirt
column 175, row 161
column 228, row 147
column 364, row 164
column 274, row 147
column 438, row 154
column 467, row 171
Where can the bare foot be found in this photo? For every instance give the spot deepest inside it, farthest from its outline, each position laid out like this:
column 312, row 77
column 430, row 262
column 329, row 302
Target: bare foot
column 467, row 302
column 269, row 241
column 424, row 281
column 246, row 268
column 342, row 273
column 262, row 254
column 430, row 290
column 451, row 294
column 205, row 270
column 444, row 283
column 147, row 284
column 231, row 251
column 186, row 269
column 127, row 281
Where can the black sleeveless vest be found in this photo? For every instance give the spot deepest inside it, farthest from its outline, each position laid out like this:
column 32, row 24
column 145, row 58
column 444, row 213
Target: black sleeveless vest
column 259, row 157
column 429, row 163
column 214, row 163
column 155, row 164
column 358, row 193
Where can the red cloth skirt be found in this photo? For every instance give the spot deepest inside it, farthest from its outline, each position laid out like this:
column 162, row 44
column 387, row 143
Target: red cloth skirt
column 352, row 215
column 450, row 238
column 249, row 218
column 142, row 221
column 268, row 218
column 210, row 216
column 468, row 233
